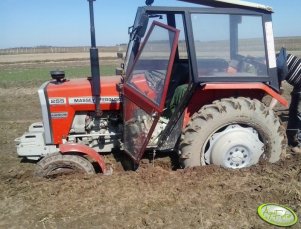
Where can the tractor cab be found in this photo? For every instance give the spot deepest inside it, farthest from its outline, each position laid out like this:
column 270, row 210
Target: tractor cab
column 173, row 52
column 213, row 39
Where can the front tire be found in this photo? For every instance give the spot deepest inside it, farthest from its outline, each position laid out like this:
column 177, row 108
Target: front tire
column 58, row 164
column 233, row 133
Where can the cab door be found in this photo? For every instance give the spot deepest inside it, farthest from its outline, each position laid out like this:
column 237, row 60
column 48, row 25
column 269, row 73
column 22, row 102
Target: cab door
column 145, row 87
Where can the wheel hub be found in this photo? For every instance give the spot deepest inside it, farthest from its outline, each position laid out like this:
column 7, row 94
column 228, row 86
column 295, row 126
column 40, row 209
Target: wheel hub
column 237, row 156
column 234, row 147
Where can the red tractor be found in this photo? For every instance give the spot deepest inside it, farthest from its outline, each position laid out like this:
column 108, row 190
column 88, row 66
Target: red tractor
column 193, row 82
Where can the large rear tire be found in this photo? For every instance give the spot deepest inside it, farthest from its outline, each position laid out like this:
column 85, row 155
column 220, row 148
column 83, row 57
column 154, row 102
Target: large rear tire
column 58, row 164
column 233, row 133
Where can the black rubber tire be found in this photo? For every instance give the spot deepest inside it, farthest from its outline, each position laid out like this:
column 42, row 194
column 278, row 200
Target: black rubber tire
column 221, row 113
column 58, row 164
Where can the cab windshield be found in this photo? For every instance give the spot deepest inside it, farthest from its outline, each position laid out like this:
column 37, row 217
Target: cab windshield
column 228, row 44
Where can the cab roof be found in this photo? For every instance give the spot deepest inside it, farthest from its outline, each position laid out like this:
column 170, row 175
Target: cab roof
column 231, row 4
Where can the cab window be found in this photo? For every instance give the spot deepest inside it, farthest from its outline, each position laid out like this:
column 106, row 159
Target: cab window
column 225, row 45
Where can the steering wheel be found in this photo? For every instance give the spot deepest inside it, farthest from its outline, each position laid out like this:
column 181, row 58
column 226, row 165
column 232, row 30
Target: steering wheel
column 247, row 64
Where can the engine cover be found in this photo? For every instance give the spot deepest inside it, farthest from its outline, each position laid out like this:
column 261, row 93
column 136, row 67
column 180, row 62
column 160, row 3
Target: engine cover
column 64, row 100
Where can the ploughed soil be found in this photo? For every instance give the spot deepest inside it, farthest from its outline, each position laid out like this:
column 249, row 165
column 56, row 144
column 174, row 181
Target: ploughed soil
column 154, row 196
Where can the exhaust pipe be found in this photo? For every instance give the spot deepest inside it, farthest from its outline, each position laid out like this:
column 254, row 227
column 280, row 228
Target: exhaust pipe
column 94, row 60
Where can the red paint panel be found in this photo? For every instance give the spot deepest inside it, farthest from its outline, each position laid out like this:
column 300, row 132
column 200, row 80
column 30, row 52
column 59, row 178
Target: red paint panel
column 143, row 101
column 82, row 88
column 248, row 86
column 78, row 88
column 210, row 92
column 141, row 83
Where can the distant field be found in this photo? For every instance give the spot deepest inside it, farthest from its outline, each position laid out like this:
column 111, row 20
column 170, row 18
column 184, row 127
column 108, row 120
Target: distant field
column 32, row 65
column 50, row 49
column 292, row 44
column 48, row 57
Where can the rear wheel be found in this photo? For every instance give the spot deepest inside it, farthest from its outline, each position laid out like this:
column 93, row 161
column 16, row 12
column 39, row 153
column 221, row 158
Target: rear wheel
column 233, row 133
column 58, row 164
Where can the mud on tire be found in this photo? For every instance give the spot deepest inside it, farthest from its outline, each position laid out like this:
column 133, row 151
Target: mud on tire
column 58, row 164
column 234, row 133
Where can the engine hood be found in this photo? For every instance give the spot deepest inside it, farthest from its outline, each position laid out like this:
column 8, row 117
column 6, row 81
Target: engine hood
column 78, row 92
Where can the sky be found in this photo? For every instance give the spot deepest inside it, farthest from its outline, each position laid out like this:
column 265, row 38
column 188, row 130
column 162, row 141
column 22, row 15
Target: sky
column 66, row 22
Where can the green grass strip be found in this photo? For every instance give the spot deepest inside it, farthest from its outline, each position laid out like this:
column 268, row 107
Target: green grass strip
column 18, row 77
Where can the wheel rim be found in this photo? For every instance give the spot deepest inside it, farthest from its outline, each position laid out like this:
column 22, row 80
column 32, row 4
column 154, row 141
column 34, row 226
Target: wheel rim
column 234, row 147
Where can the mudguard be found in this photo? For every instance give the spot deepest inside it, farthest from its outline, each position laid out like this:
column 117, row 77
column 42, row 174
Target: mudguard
column 214, row 91
column 83, row 149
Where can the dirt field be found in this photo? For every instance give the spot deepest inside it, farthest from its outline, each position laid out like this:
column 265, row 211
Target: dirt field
column 155, row 196
column 50, row 57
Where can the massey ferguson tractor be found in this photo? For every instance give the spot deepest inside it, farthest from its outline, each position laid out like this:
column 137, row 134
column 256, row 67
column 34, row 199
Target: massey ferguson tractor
column 192, row 83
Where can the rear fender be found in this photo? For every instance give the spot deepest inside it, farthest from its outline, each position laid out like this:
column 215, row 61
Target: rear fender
column 210, row 92
column 85, row 150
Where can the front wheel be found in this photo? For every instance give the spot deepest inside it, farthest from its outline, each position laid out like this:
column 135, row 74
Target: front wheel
column 58, row 164
column 233, row 133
